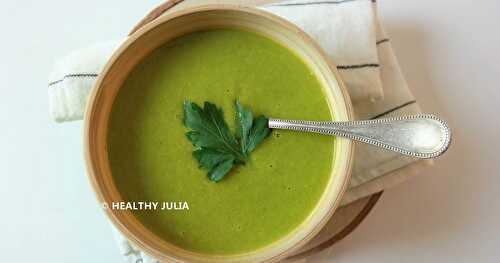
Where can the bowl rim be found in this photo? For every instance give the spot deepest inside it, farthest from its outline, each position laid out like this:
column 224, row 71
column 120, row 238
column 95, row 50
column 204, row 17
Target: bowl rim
column 91, row 105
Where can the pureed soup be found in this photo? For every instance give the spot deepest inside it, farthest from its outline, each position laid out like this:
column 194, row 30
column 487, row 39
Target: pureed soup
column 151, row 158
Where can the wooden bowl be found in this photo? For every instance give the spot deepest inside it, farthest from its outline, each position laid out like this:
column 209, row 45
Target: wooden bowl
column 157, row 33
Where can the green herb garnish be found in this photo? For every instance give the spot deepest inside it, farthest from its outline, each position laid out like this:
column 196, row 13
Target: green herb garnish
column 216, row 148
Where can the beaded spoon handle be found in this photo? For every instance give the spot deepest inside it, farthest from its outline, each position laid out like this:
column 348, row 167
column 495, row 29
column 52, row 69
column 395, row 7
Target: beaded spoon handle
column 421, row 136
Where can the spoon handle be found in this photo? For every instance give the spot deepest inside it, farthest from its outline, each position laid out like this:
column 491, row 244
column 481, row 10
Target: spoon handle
column 422, row 136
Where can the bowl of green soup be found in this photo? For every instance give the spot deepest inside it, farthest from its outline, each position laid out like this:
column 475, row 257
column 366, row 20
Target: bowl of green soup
column 142, row 167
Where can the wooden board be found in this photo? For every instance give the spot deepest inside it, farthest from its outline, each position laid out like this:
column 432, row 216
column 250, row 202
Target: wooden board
column 346, row 218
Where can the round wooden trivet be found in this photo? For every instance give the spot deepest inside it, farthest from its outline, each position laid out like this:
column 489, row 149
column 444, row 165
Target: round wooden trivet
column 346, row 218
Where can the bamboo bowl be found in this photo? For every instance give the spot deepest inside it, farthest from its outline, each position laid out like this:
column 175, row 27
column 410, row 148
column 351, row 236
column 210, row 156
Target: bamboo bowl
column 157, row 33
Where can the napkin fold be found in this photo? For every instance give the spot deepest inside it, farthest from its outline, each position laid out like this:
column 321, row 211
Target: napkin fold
column 350, row 33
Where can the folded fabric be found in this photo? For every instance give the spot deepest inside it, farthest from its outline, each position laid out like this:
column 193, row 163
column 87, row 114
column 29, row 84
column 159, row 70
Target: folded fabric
column 72, row 78
column 351, row 34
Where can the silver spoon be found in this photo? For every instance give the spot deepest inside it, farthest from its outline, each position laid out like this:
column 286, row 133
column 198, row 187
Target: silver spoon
column 422, row 136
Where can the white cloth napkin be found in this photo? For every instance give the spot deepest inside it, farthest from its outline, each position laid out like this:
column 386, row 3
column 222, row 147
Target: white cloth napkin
column 348, row 30
column 72, row 78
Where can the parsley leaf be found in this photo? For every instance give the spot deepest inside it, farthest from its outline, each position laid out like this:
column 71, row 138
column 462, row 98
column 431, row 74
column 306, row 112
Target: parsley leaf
column 252, row 131
column 209, row 129
column 217, row 150
column 244, row 119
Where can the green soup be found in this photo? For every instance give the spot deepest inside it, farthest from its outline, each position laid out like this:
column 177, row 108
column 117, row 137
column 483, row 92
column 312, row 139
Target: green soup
column 151, row 159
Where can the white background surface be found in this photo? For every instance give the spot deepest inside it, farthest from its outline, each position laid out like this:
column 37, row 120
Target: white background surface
column 449, row 52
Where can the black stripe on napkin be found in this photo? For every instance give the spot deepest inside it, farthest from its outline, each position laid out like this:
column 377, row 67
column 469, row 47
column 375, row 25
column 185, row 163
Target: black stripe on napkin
column 368, row 65
column 312, row 3
column 382, row 41
column 393, row 109
column 78, row 75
